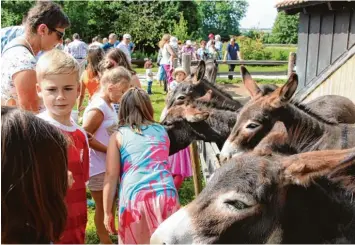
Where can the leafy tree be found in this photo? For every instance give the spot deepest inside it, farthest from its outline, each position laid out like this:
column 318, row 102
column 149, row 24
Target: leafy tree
column 12, row 12
column 180, row 29
column 222, row 17
column 285, row 29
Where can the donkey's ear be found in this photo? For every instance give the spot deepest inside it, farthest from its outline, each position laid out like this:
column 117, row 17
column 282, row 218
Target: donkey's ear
column 300, row 169
column 289, row 88
column 249, row 83
column 207, row 97
column 200, row 73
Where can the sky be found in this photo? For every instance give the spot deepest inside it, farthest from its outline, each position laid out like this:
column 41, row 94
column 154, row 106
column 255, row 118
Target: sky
column 260, row 13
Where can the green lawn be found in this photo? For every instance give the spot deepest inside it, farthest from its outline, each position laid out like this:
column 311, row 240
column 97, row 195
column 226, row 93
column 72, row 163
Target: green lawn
column 186, row 192
column 259, row 81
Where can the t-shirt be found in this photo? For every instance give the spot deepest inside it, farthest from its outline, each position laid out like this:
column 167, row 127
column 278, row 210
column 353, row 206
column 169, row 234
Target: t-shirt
column 91, row 83
column 78, row 164
column 232, row 51
column 107, row 46
column 125, row 49
column 102, row 134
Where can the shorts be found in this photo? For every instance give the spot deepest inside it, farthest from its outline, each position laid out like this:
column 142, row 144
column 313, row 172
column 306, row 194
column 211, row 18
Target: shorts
column 96, row 182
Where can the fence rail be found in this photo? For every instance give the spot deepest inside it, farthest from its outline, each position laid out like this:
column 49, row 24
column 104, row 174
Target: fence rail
column 248, row 62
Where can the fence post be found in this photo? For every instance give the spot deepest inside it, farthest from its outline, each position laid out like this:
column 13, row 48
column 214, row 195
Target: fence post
column 291, row 63
column 175, row 63
column 186, row 63
column 196, row 170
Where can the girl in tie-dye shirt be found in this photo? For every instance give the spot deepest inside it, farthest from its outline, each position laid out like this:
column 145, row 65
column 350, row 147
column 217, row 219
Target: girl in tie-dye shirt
column 137, row 155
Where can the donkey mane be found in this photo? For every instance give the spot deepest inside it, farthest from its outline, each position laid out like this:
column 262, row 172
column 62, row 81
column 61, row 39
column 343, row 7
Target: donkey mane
column 213, row 104
column 216, row 87
column 309, row 111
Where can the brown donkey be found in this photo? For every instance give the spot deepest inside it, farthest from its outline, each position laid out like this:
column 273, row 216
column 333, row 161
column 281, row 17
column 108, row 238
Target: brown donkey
column 254, row 199
column 306, row 130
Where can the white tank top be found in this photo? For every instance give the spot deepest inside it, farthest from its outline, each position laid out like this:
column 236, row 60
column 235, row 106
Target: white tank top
column 165, row 55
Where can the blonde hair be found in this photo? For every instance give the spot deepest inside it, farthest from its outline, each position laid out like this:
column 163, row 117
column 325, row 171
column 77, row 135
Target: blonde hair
column 136, row 110
column 56, row 62
column 165, row 39
column 115, row 76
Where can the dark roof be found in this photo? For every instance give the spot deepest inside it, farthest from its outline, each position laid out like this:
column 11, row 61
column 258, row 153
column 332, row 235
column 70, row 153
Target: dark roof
column 290, row 4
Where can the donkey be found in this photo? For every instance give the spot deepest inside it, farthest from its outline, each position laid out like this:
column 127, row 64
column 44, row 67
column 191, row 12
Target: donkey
column 306, row 130
column 197, row 121
column 304, row 198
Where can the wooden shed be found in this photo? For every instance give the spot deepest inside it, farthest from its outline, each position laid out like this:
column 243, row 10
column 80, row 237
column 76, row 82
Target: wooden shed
column 326, row 47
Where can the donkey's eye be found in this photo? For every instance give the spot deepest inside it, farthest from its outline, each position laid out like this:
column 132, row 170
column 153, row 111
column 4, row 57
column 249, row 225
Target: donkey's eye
column 252, row 125
column 236, row 205
column 181, row 97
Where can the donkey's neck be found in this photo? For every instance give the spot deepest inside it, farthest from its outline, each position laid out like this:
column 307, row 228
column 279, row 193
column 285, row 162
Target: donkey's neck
column 306, row 131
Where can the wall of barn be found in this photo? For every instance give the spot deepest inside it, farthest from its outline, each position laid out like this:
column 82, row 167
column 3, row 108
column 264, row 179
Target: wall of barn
column 341, row 82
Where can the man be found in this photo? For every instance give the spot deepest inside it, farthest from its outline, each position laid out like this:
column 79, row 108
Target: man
column 78, row 49
column 210, row 39
column 233, row 53
column 124, row 46
column 189, row 49
column 112, row 38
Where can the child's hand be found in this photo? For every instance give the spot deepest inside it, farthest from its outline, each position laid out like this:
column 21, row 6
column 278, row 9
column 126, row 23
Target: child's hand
column 71, row 180
column 109, row 223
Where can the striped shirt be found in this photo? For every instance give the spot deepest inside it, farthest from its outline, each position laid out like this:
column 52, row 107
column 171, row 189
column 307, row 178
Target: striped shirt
column 78, row 49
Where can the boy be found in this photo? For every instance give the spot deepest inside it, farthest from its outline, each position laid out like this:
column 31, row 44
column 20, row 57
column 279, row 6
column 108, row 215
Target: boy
column 150, row 76
column 58, row 85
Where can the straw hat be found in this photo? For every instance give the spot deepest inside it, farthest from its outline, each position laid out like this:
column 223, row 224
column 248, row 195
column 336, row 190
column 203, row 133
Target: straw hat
column 179, row 69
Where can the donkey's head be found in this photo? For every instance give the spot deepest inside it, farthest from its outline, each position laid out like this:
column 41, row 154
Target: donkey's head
column 254, row 199
column 258, row 116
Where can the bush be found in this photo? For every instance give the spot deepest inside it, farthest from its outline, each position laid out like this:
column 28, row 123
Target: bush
column 253, row 49
column 139, row 55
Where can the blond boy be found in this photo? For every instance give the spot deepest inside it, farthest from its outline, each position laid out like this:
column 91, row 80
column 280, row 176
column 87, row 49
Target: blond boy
column 58, row 86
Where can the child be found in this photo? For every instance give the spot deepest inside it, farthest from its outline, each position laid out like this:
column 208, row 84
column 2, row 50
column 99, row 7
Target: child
column 150, row 83
column 58, row 85
column 179, row 75
column 89, row 79
column 138, row 156
column 33, row 179
column 100, row 119
column 148, row 65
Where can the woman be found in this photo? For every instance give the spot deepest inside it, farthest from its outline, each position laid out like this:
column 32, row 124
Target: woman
column 167, row 57
column 44, row 29
column 89, row 79
column 34, row 178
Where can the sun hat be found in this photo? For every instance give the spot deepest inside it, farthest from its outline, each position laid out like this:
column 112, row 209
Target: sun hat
column 211, row 35
column 179, row 69
column 188, row 43
column 127, row 36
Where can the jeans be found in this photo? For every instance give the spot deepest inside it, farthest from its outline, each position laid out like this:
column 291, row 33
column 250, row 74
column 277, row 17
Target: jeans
column 231, row 68
column 149, row 88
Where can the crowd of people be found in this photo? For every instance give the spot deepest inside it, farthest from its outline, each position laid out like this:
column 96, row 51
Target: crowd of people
column 119, row 151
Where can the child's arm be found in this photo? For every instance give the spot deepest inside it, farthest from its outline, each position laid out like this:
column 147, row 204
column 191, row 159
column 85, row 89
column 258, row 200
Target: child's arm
column 91, row 123
column 113, row 161
column 82, row 92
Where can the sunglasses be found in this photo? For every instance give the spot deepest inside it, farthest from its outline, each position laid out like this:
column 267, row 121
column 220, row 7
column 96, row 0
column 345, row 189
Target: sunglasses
column 60, row 34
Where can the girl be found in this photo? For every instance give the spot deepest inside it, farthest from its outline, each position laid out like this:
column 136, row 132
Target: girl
column 137, row 155
column 34, row 179
column 89, row 78
column 99, row 120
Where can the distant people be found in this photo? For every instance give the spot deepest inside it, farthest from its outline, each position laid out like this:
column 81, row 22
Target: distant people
column 112, row 38
column 66, row 43
column 148, row 65
column 212, row 52
column 232, row 53
column 202, row 52
column 79, row 50
column 168, row 55
column 95, row 42
column 124, row 46
column 161, row 76
column 137, row 162
column 100, row 119
column 131, row 46
column 58, row 76
column 175, row 47
column 189, row 49
column 219, row 45
column 89, row 80
column 104, row 40
column 210, row 39
column 44, row 29
column 34, row 179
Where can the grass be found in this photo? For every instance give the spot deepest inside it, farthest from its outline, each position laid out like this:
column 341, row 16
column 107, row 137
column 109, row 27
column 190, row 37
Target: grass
column 259, row 81
column 186, row 192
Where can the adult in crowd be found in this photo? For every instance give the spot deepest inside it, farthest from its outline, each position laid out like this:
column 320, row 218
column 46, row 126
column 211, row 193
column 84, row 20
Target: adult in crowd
column 79, row 50
column 210, row 39
column 95, row 42
column 218, row 45
column 124, row 46
column 167, row 58
column 66, row 43
column 189, row 49
column 104, row 40
column 34, row 179
column 44, row 29
column 112, row 38
column 131, row 46
column 202, row 52
column 232, row 53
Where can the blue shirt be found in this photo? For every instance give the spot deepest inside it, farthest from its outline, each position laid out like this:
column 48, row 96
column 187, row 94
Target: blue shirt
column 232, row 51
column 107, row 46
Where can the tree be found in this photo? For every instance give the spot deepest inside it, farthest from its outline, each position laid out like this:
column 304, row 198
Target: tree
column 285, row 29
column 12, row 12
column 222, row 17
column 180, row 29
